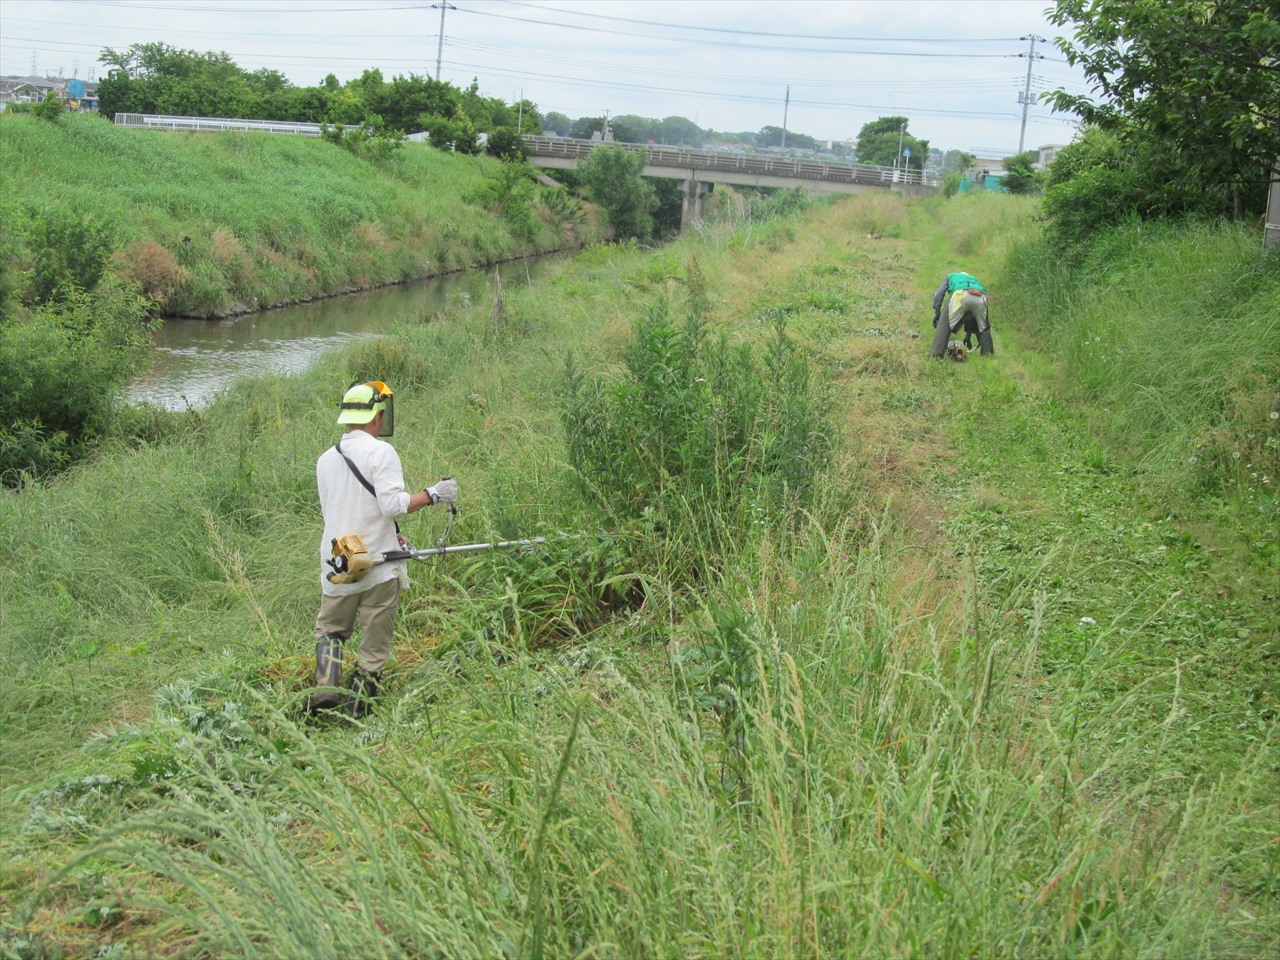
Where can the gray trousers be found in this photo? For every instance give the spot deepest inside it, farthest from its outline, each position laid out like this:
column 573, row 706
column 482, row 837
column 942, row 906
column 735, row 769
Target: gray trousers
column 967, row 308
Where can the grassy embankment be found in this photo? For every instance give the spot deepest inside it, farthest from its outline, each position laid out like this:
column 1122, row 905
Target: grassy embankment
column 997, row 690
column 213, row 224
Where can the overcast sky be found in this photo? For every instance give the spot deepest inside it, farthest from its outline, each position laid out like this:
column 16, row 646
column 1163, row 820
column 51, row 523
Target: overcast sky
column 819, row 67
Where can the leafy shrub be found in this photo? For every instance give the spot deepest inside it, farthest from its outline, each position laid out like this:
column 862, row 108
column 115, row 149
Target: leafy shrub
column 613, row 180
column 562, row 208
column 510, row 193
column 458, row 135
column 367, row 140
column 69, row 251
column 697, row 440
column 61, row 366
column 1021, row 175
column 1092, row 184
column 723, row 678
column 1105, row 179
column 506, row 144
column 12, row 274
column 50, row 108
column 778, row 204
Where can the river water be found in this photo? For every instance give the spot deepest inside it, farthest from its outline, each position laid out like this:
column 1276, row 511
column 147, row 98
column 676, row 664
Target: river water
column 197, row 359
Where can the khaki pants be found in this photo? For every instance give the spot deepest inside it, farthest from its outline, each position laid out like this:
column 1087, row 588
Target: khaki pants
column 376, row 608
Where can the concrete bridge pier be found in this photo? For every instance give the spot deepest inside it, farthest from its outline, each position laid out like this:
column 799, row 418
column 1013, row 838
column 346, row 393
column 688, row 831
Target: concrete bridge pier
column 695, row 200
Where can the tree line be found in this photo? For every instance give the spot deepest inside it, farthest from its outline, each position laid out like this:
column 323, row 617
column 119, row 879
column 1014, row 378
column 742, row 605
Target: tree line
column 157, row 78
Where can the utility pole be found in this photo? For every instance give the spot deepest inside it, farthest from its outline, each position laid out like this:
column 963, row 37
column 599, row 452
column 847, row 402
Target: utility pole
column 1025, row 97
column 1271, row 226
column 520, row 115
column 786, row 106
column 443, row 5
column 1271, row 230
column 902, row 132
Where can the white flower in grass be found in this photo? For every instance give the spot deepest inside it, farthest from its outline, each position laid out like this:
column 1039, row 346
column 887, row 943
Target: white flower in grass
column 1088, row 621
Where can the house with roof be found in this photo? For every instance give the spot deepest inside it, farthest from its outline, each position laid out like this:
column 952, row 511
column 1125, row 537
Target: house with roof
column 77, row 94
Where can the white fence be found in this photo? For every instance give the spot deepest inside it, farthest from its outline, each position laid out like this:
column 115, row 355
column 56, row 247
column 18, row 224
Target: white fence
column 216, row 125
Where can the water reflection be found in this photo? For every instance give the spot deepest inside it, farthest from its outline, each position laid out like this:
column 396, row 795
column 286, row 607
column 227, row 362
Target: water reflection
column 197, row 359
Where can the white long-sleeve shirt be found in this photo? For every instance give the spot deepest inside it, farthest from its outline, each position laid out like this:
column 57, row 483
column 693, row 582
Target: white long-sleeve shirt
column 349, row 508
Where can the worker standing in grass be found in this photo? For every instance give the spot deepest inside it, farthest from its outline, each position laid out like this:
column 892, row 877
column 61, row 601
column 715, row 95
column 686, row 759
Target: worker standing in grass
column 362, row 495
column 961, row 300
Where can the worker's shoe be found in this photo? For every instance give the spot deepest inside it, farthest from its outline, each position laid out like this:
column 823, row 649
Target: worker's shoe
column 327, row 695
column 986, row 344
column 364, row 687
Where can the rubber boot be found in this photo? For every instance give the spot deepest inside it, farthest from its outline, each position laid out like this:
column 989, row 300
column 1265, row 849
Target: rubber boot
column 327, row 694
column 364, row 687
column 986, row 343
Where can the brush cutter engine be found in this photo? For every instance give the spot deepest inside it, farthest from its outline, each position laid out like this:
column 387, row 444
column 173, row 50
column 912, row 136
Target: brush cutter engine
column 350, row 561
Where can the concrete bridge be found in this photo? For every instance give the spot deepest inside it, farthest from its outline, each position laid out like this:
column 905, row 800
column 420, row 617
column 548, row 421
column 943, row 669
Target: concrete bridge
column 700, row 170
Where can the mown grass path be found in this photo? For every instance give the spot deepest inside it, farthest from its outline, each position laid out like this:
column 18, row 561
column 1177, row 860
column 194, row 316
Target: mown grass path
column 1143, row 590
column 1158, row 613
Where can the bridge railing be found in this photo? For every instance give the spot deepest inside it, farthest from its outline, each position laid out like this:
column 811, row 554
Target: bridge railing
column 216, row 124
column 734, row 162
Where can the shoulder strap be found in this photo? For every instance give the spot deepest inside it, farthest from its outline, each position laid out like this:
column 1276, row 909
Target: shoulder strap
column 356, row 470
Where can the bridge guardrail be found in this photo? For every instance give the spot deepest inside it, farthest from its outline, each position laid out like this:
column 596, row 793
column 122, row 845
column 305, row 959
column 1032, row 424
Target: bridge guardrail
column 734, row 162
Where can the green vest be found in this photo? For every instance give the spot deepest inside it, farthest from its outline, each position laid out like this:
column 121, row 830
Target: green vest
column 963, row 281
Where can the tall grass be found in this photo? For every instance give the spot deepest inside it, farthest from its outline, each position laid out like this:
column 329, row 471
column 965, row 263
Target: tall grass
column 903, row 793
column 220, row 223
column 1172, row 330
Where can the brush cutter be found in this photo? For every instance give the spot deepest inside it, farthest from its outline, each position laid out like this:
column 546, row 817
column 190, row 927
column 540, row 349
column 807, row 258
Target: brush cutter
column 351, row 561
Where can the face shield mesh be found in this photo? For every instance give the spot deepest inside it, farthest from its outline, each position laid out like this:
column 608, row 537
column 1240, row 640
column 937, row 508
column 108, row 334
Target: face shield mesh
column 388, row 408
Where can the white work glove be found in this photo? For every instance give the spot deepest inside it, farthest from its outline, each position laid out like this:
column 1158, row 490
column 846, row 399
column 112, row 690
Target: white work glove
column 446, row 491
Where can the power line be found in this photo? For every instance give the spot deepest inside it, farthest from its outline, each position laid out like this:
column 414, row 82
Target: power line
column 730, row 31
column 756, row 33
column 741, row 97
column 185, row 7
column 992, row 83
column 758, row 47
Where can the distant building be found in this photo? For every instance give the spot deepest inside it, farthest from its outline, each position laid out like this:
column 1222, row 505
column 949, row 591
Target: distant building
column 78, row 94
column 1045, row 155
column 983, row 178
